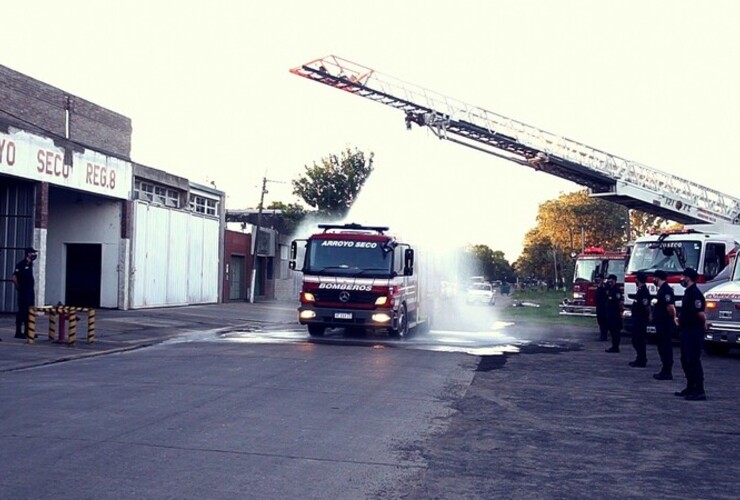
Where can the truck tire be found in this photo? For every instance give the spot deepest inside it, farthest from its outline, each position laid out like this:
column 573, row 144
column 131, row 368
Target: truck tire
column 316, row 330
column 402, row 328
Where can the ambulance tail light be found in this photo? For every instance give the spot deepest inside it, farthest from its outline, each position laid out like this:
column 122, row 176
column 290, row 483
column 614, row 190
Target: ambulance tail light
column 711, row 305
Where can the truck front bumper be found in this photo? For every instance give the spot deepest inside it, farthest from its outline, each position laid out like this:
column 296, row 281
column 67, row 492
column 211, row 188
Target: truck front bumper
column 347, row 318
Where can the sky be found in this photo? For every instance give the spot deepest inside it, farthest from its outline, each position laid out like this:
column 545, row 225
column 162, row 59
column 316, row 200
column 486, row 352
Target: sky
column 208, row 89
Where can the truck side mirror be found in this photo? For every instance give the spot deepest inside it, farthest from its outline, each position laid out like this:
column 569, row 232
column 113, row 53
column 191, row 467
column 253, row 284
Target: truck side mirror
column 408, row 262
column 293, row 254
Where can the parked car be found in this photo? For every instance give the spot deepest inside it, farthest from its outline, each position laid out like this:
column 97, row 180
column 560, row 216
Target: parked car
column 481, row 293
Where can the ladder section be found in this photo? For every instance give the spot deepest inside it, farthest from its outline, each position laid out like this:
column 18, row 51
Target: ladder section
column 608, row 176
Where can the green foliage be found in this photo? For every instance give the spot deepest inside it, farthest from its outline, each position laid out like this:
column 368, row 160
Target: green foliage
column 292, row 214
column 332, row 185
column 491, row 264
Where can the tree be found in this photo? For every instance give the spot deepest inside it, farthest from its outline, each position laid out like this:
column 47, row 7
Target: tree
column 491, row 264
column 642, row 223
column 332, row 185
column 291, row 213
column 536, row 260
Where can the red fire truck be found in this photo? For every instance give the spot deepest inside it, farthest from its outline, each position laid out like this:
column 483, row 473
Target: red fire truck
column 358, row 276
column 591, row 263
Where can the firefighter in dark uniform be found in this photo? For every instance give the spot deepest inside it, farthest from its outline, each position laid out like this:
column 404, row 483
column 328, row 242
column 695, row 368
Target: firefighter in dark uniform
column 664, row 317
column 601, row 307
column 24, row 284
column 614, row 309
column 692, row 323
column 640, row 319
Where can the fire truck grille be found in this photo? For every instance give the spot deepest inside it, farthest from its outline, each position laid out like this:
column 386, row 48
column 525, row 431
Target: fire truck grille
column 355, row 298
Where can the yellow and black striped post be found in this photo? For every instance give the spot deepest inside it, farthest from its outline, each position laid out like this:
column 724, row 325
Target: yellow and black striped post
column 31, row 329
column 72, row 337
column 52, row 325
column 91, row 326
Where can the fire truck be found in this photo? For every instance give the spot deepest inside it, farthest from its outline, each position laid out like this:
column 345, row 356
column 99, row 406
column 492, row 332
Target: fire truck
column 591, row 263
column 359, row 277
column 672, row 251
column 712, row 215
column 723, row 313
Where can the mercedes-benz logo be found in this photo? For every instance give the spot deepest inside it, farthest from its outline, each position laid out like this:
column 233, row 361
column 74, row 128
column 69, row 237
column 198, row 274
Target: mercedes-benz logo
column 344, row 296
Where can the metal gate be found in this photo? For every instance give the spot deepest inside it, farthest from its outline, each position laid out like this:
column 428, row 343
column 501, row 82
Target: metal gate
column 16, row 233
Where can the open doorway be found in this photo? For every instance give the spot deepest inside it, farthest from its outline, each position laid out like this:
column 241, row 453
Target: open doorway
column 83, row 275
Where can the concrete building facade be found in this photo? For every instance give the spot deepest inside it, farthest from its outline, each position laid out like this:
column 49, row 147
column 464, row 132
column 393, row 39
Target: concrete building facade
column 111, row 233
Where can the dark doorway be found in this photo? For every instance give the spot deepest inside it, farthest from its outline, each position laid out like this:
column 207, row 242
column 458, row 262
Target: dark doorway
column 83, row 275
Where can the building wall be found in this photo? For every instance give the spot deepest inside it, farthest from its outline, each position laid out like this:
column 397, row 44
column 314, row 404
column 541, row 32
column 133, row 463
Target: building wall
column 175, row 257
column 76, row 217
column 39, row 107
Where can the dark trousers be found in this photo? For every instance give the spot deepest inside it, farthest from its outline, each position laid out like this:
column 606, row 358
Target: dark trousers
column 615, row 330
column 692, row 341
column 639, row 335
column 21, row 318
column 664, row 339
column 603, row 325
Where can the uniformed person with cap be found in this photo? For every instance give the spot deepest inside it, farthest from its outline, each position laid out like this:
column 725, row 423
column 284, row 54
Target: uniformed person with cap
column 640, row 318
column 664, row 317
column 692, row 323
column 24, row 284
column 614, row 309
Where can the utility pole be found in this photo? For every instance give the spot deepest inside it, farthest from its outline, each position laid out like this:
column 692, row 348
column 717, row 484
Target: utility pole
column 255, row 240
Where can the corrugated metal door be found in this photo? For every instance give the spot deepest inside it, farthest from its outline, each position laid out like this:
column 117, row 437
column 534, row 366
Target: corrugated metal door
column 175, row 258
column 16, row 233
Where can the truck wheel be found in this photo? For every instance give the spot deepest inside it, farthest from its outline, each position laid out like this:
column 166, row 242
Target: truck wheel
column 316, row 330
column 403, row 324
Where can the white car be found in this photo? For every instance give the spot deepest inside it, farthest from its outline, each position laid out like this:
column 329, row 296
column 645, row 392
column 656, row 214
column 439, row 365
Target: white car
column 481, row 293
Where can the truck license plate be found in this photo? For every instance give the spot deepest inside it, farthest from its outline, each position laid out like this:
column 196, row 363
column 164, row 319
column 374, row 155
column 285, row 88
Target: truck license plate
column 651, row 329
column 342, row 315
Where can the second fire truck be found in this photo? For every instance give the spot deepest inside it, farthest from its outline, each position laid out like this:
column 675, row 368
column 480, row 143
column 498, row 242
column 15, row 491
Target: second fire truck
column 590, row 264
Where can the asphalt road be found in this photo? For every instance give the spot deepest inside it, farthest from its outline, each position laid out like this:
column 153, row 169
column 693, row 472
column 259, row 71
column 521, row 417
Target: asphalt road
column 479, row 408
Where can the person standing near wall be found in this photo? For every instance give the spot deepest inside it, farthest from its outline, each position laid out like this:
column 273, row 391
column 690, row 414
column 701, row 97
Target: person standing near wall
column 25, row 285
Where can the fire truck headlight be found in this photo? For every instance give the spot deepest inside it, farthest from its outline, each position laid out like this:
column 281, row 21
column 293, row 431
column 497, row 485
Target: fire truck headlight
column 579, row 295
column 307, row 314
column 307, row 297
column 381, row 317
column 382, row 301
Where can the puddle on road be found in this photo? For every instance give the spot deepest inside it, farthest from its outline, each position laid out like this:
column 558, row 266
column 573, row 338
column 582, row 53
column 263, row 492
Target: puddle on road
column 495, row 342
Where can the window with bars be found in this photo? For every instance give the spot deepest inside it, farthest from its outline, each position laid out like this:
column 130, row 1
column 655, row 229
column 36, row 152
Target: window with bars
column 203, row 205
column 149, row 191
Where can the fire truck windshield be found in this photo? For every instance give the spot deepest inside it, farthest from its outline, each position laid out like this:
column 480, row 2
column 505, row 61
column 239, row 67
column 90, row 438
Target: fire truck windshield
column 349, row 258
column 669, row 256
column 587, row 270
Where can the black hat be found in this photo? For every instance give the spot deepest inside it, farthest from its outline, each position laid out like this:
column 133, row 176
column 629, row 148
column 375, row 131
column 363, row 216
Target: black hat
column 641, row 277
column 691, row 273
column 660, row 274
column 31, row 250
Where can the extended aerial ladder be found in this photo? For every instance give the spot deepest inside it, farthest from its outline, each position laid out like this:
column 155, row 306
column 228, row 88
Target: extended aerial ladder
column 607, row 176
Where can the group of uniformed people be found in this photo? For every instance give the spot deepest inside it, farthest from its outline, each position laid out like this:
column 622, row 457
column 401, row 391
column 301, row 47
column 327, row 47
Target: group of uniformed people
column 661, row 309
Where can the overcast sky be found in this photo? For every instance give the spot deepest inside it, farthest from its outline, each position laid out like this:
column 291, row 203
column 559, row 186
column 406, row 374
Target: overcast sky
column 207, row 86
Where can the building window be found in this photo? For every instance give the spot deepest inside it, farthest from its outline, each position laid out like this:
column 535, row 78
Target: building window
column 148, row 191
column 203, row 205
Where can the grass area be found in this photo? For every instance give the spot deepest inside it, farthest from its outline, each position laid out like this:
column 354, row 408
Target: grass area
column 546, row 313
